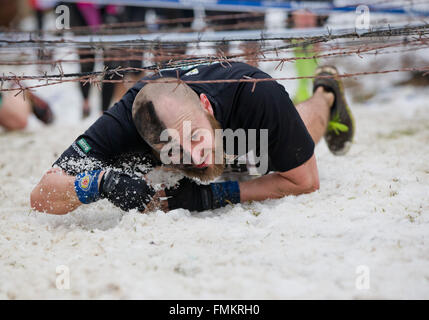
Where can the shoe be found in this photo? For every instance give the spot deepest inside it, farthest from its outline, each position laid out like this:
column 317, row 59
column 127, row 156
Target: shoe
column 341, row 126
column 85, row 110
column 41, row 109
column 85, row 113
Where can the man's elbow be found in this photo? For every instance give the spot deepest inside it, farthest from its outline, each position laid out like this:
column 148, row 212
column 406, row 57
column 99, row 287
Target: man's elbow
column 41, row 202
column 48, row 195
column 309, row 185
column 37, row 200
column 314, row 186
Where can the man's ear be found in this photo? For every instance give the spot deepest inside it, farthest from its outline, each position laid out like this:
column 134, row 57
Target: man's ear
column 206, row 104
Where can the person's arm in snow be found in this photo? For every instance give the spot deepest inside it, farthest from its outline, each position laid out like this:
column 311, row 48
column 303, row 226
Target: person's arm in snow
column 60, row 193
column 194, row 197
column 79, row 178
column 303, row 179
column 55, row 193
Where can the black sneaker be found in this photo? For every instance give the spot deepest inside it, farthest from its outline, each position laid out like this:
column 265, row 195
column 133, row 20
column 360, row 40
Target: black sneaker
column 41, row 109
column 85, row 112
column 341, row 127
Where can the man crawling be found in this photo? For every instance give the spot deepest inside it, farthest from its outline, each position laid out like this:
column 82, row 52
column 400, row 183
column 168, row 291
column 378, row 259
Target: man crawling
column 170, row 125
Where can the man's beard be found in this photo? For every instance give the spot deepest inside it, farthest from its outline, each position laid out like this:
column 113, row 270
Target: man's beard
column 214, row 169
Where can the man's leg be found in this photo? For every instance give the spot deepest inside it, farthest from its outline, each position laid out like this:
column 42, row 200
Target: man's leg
column 327, row 112
column 14, row 112
column 315, row 112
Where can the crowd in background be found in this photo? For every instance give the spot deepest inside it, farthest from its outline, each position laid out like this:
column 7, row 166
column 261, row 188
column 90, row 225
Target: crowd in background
column 83, row 14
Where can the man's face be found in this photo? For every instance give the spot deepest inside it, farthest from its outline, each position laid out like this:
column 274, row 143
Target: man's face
column 192, row 144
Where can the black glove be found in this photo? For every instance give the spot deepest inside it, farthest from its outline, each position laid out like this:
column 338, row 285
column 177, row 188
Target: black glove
column 190, row 195
column 125, row 191
column 195, row 197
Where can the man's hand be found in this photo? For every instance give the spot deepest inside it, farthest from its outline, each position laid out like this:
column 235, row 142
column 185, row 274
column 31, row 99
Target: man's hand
column 195, row 197
column 125, row 191
column 158, row 202
column 189, row 195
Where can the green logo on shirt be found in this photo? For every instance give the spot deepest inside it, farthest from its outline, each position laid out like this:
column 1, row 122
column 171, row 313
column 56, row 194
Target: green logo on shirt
column 84, row 145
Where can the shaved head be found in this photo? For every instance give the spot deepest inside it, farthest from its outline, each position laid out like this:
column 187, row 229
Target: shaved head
column 159, row 106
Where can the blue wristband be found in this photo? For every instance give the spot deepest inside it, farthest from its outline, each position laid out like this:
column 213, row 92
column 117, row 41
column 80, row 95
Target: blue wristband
column 225, row 193
column 86, row 186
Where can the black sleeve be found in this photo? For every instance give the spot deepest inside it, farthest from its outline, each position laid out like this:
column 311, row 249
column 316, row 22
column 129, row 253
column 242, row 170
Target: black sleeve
column 269, row 107
column 111, row 136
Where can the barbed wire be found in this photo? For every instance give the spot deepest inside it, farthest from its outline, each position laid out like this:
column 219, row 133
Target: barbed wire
column 92, row 79
column 372, row 41
column 388, row 32
column 359, row 50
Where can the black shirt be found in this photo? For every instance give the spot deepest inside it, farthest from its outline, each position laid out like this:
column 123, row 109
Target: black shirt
column 234, row 104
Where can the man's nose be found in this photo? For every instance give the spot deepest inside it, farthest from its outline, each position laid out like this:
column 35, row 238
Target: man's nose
column 200, row 149
column 198, row 155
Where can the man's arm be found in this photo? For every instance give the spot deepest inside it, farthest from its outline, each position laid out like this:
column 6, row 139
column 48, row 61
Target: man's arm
column 194, row 197
column 55, row 193
column 112, row 135
column 59, row 193
column 303, row 179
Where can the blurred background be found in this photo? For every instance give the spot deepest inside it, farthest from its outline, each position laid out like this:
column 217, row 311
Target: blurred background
column 95, row 36
column 63, row 63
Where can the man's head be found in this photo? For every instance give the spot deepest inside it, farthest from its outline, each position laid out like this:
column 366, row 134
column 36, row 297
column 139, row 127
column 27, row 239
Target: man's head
column 168, row 110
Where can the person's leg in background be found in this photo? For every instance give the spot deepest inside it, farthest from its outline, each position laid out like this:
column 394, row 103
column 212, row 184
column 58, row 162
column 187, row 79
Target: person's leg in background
column 14, row 111
column 41, row 54
column 135, row 14
column 112, row 92
column 251, row 48
column 8, row 13
column 249, row 21
column 108, row 88
column 163, row 53
column 304, row 67
column 220, row 23
column 327, row 112
column 85, row 88
column 77, row 20
column 315, row 112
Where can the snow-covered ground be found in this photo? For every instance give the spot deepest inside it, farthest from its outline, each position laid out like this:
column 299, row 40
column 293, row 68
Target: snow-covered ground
column 372, row 210
column 369, row 218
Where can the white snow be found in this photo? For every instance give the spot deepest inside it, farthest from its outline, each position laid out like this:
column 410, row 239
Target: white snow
column 372, row 210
